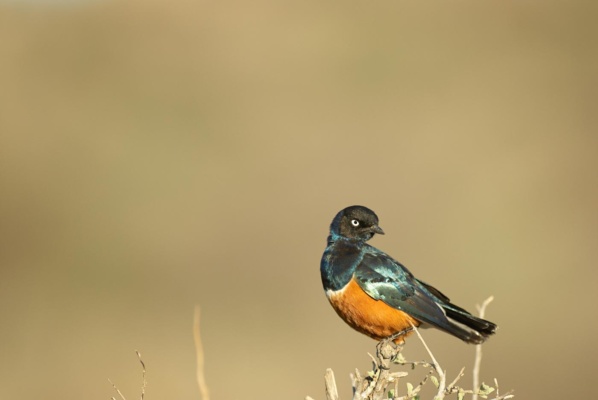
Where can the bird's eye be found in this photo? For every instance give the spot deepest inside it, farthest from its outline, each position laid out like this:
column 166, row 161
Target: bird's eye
column 354, row 222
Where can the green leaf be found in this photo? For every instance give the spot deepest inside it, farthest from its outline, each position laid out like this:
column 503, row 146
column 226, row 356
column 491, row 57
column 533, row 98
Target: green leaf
column 391, row 393
column 485, row 390
column 461, row 394
column 409, row 389
column 434, row 381
column 399, row 359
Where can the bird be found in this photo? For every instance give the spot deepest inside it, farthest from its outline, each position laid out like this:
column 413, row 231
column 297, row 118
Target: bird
column 377, row 295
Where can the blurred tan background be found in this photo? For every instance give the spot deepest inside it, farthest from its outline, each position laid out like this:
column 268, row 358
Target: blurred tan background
column 158, row 155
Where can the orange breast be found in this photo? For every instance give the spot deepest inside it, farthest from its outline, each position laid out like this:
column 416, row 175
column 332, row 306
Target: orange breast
column 366, row 315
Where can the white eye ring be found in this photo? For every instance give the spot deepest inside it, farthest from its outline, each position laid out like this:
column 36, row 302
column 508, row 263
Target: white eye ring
column 354, row 222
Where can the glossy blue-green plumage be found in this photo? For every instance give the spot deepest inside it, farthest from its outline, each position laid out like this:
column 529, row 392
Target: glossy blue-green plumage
column 348, row 256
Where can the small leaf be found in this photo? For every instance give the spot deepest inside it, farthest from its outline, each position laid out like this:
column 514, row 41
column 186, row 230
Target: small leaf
column 461, row 394
column 434, row 381
column 399, row 359
column 485, row 390
column 391, row 393
column 409, row 389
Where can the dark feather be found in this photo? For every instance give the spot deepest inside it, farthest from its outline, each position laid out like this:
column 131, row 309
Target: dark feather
column 385, row 279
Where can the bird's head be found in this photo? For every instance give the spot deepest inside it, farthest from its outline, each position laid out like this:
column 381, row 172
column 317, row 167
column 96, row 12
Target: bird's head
column 355, row 222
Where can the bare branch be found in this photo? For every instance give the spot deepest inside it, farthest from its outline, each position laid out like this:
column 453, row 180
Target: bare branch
column 117, row 391
column 331, row 390
column 144, row 383
column 437, row 367
column 459, row 375
column 478, row 352
column 201, row 380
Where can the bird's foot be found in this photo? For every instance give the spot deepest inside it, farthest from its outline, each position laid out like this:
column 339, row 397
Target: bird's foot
column 387, row 350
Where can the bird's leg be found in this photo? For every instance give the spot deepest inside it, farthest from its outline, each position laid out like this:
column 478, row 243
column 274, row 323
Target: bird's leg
column 386, row 351
column 400, row 333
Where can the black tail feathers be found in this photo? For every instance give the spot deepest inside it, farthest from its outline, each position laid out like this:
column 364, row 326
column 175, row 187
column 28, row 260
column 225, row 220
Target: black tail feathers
column 481, row 329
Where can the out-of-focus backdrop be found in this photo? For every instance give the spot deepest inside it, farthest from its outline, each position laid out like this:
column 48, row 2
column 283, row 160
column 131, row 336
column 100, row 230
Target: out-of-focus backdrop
column 157, row 155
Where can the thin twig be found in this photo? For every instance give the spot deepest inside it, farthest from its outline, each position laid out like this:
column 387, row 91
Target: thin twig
column 144, row 384
column 201, row 380
column 437, row 367
column 421, row 384
column 496, row 386
column 478, row 352
column 331, row 390
column 459, row 375
column 117, row 391
column 505, row 396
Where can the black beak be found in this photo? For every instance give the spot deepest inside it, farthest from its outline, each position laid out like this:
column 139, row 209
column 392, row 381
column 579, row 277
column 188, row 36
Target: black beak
column 377, row 229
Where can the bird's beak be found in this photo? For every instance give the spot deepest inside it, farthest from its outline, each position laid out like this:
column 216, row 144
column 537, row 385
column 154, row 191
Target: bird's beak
column 377, row 229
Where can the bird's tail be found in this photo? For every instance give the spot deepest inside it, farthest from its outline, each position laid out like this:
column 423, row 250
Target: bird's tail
column 481, row 329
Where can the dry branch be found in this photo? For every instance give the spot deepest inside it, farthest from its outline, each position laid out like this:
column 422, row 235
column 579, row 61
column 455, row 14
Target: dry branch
column 201, row 380
column 331, row 390
column 143, row 384
column 478, row 350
